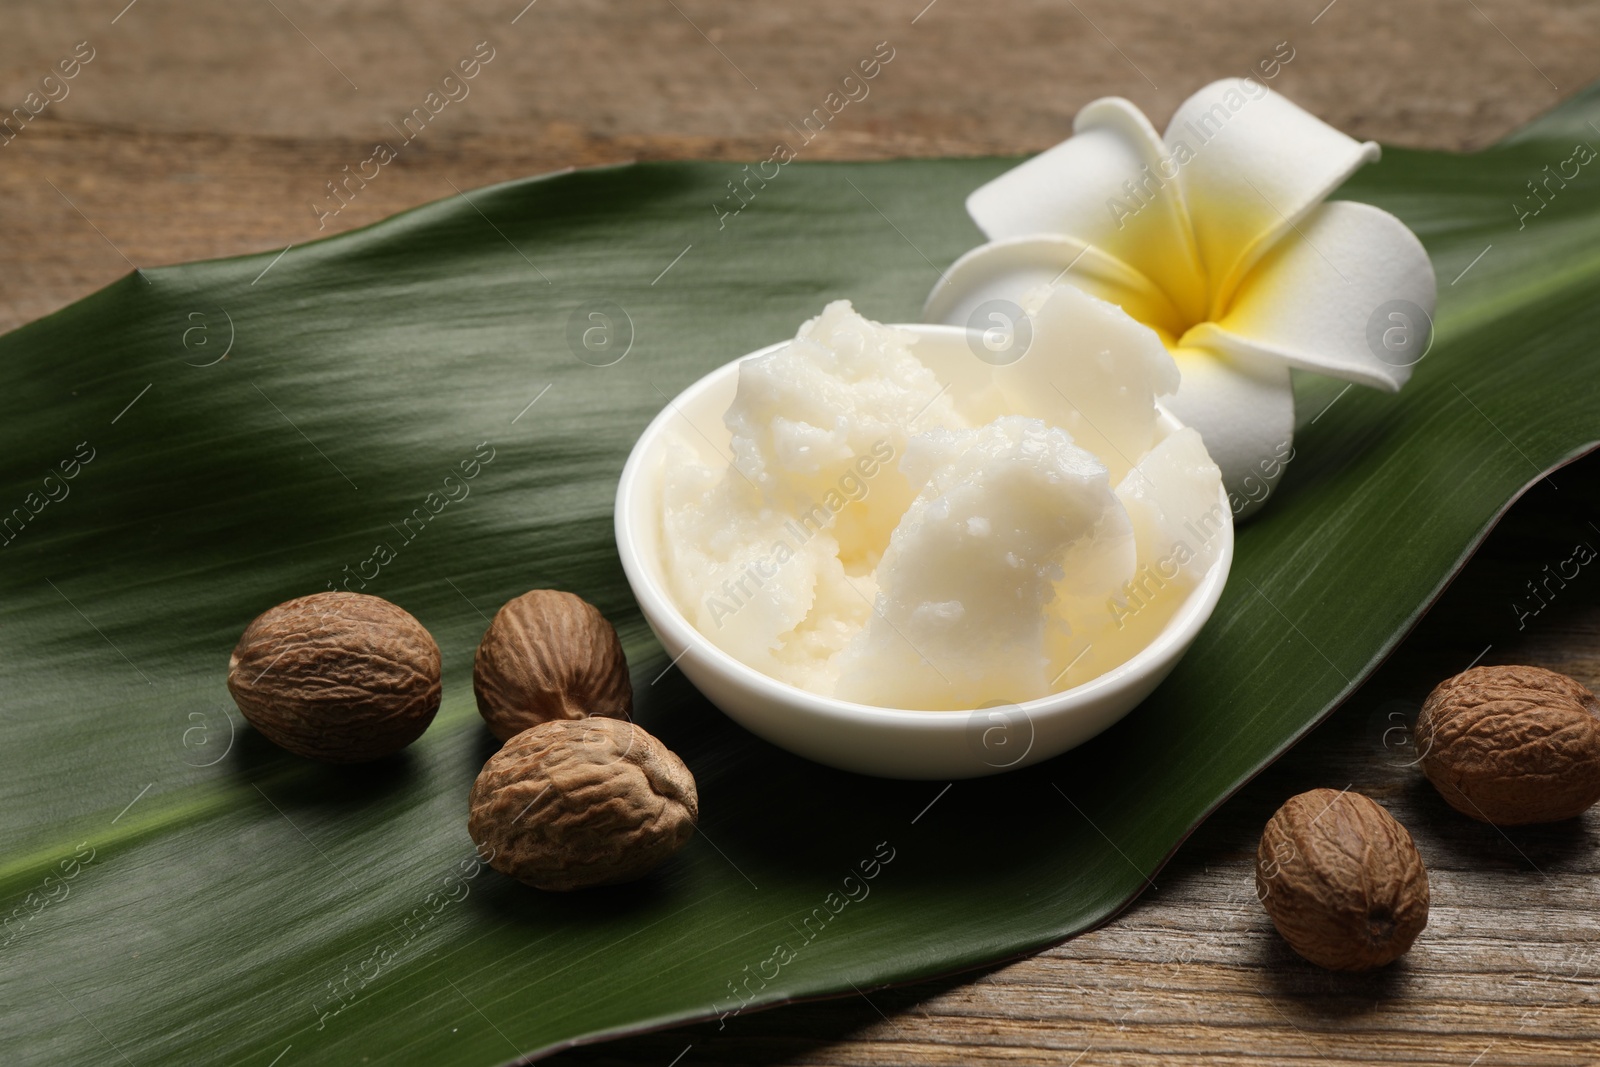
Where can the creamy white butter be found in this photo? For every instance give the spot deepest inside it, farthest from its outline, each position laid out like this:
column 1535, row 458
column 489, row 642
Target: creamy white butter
column 886, row 538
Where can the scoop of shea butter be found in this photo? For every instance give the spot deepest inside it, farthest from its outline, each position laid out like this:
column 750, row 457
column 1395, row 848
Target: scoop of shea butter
column 1176, row 516
column 1093, row 371
column 1171, row 499
column 764, row 588
column 960, row 616
column 808, row 418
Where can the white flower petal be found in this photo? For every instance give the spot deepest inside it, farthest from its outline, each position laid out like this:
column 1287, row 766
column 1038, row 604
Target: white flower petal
column 1243, row 408
column 1252, row 164
column 1005, row 270
column 1339, row 297
column 1110, row 185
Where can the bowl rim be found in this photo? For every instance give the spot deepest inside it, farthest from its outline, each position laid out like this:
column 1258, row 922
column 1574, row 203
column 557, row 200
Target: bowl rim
column 661, row 609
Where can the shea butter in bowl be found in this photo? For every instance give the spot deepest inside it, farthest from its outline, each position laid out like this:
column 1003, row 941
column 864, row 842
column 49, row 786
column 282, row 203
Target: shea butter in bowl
column 906, row 551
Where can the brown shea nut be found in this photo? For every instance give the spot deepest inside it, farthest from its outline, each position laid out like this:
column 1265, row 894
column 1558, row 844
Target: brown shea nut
column 549, row 655
column 1342, row 880
column 1512, row 745
column 574, row 803
column 338, row 677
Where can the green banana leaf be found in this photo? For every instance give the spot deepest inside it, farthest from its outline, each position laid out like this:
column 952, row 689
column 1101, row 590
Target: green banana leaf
column 194, row 444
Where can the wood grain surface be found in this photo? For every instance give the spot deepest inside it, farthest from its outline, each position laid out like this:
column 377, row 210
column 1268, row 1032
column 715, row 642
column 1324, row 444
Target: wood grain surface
column 208, row 130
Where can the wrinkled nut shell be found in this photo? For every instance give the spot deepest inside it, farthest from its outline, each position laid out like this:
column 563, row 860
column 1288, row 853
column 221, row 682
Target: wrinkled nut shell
column 549, row 655
column 1512, row 745
column 338, row 677
column 1342, row 880
column 577, row 803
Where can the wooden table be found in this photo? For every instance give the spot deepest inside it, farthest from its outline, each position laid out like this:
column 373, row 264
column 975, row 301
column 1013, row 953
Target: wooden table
column 198, row 131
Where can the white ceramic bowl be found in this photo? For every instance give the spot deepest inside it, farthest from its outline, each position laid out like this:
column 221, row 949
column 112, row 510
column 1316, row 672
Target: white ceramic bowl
column 888, row 742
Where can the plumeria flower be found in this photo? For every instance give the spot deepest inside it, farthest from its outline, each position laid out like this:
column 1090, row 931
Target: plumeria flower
column 1217, row 236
